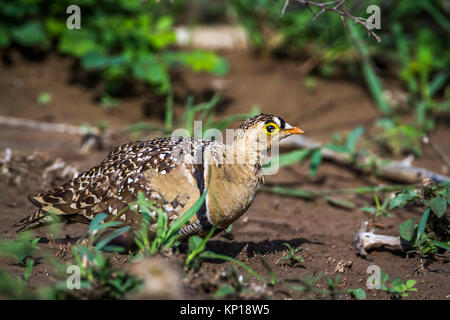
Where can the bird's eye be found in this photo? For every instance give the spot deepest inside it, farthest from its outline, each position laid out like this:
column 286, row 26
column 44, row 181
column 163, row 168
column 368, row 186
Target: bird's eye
column 271, row 128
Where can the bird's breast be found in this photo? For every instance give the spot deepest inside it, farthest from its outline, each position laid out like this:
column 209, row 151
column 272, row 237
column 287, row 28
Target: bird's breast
column 231, row 190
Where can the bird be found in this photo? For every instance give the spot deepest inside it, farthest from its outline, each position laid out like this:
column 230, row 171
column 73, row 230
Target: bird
column 173, row 173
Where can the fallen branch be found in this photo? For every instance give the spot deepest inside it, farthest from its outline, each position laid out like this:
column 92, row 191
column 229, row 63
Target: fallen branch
column 46, row 126
column 91, row 137
column 400, row 171
column 334, row 7
column 367, row 240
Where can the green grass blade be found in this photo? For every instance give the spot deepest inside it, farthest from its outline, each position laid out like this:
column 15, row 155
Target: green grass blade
column 169, row 112
column 273, row 278
column 340, row 203
column 289, row 158
column 422, row 224
column 372, row 80
column 110, row 237
column 299, row 193
column 440, row 244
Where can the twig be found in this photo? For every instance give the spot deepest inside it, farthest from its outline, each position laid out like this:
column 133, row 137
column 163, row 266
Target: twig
column 334, row 7
column 400, row 171
column 46, row 126
column 284, row 8
column 366, row 240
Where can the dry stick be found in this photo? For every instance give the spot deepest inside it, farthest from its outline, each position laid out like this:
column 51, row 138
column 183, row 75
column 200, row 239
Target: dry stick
column 366, row 240
column 94, row 135
column 401, row 171
column 334, row 7
column 45, row 126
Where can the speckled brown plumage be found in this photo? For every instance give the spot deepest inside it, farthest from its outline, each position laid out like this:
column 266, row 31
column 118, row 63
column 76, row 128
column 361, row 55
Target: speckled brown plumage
column 173, row 172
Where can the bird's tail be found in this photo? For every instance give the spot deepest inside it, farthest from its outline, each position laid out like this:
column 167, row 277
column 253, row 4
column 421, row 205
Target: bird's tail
column 32, row 221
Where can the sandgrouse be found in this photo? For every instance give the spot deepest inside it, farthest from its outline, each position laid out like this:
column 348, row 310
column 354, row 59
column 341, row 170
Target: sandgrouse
column 173, row 173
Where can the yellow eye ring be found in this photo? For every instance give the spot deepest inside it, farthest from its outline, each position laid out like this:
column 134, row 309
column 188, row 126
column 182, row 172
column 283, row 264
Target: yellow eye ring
column 271, row 128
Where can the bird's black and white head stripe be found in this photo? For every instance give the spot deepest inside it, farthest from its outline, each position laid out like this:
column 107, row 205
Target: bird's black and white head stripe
column 264, row 118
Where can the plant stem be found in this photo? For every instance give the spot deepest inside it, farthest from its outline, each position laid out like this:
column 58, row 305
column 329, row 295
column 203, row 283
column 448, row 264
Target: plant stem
column 310, row 195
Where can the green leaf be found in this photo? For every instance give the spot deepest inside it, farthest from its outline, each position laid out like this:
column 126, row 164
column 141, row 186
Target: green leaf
column 169, row 112
column 353, row 138
column 410, row 283
column 300, row 193
column 438, row 205
column 316, row 160
column 406, row 229
column 290, row 158
column 273, row 278
column 359, row 294
column 5, row 39
column 153, row 71
column 96, row 221
column 341, row 203
column 224, row 291
column 422, row 224
column 194, row 243
column 44, row 98
column 30, row 34
column 111, row 236
column 94, row 60
column 200, row 60
column 373, row 82
column 402, row 199
column 443, row 245
column 336, row 148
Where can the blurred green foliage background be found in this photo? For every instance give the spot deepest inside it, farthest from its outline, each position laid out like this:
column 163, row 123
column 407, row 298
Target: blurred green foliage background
column 123, row 39
column 133, row 40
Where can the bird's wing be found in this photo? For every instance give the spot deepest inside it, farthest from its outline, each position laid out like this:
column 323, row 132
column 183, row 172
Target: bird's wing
column 115, row 182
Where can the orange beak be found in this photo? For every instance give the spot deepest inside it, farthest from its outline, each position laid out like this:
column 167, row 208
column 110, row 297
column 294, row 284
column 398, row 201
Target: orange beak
column 294, row 130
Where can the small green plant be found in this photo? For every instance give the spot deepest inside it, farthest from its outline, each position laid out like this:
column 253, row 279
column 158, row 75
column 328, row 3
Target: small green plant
column 291, row 255
column 315, row 154
column 125, row 43
column 44, row 99
column 358, row 294
column 310, row 285
column 296, row 156
column 196, row 248
column 397, row 289
column 433, row 230
column 234, row 284
column 350, row 143
column 307, row 284
column 99, row 278
column 197, row 253
column 165, row 236
column 400, row 138
column 203, row 112
column 22, row 250
column 109, row 102
column 379, row 209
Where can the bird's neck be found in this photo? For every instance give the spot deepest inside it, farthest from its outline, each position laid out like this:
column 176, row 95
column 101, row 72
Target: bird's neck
column 244, row 152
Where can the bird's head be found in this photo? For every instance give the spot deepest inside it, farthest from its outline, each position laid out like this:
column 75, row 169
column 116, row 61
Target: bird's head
column 260, row 132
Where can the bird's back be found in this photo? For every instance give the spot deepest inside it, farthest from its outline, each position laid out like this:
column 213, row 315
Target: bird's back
column 155, row 167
